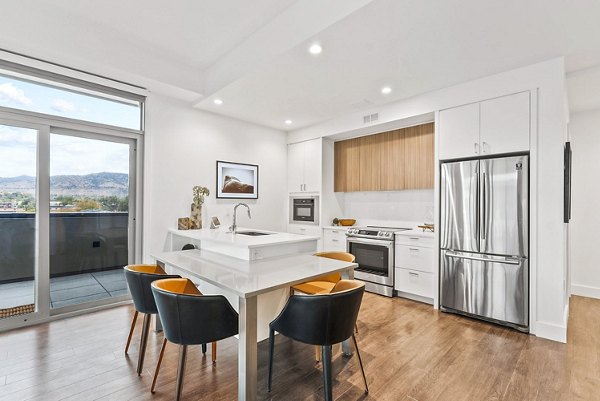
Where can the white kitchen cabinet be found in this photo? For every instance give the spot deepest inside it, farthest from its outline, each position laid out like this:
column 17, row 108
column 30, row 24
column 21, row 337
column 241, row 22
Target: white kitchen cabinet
column 304, row 166
column 459, row 132
column 490, row 127
column 414, row 262
column 304, row 229
column 504, row 124
column 334, row 239
column 414, row 282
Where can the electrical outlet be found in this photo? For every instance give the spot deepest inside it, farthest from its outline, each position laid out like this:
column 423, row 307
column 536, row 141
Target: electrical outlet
column 96, row 244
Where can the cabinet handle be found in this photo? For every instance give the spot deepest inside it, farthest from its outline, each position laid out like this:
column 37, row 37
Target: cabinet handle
column 414, row 249
column 484, row 145
column 413, row 274
column 302, row 229
column 334, row 231
column 476, row 145
column 335, row 240
column 415, row 238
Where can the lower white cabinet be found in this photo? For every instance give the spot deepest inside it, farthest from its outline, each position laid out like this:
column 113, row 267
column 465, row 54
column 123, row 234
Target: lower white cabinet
column 304, row 229
column 414, row 263
column 334, row 239
column 414, row 282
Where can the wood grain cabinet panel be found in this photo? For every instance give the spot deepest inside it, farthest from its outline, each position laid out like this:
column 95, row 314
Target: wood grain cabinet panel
column 392, row 160
column 419, row 156
column 347, row 166
column 370, row 156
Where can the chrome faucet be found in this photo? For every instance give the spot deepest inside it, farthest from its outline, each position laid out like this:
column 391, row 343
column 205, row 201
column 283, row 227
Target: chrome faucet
column 233, row 227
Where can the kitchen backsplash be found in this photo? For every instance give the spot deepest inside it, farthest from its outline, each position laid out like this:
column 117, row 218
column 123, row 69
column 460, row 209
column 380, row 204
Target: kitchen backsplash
column 409, row 205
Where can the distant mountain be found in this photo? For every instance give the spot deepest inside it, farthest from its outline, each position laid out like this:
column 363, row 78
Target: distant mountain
column 97, row 184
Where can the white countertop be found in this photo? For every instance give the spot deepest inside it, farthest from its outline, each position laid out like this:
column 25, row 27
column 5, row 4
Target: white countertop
column 416, row 232
column 243, row 241
column 250, row 278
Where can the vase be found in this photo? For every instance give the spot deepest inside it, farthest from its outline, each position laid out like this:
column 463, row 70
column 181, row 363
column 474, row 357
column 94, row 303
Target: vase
column 196, row 217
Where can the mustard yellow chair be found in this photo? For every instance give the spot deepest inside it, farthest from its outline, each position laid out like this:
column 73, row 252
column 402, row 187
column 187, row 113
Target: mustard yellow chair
column 189, row 317
column 324, row 284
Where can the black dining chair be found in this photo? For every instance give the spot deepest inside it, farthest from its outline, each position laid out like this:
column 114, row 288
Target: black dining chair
column 190, row 318
column 139, row 278
column 323, row 320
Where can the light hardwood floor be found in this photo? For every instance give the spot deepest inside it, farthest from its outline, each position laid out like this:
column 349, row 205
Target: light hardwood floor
column 410, row 351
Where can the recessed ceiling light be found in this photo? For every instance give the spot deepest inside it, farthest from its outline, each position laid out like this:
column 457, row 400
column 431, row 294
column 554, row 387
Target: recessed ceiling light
column 315, row 49
column 218, row 101
column 386, row 90
column 288, row 122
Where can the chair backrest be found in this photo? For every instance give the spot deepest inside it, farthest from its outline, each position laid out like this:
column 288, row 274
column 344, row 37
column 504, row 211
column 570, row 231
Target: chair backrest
column 343, row 256
column 139, row 278
column 325, row 319
column 188, row 317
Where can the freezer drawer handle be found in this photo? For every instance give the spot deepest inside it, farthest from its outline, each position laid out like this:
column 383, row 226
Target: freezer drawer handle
column 504, row 261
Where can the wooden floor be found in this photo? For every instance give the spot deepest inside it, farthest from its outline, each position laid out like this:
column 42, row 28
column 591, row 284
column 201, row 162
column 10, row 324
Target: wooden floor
column 410, row 351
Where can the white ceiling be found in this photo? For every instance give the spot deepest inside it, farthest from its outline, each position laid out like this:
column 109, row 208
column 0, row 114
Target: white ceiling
column 252, row 54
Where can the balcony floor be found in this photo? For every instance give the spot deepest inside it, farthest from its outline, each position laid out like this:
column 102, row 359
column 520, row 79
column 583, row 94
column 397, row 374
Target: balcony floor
column 68, row 290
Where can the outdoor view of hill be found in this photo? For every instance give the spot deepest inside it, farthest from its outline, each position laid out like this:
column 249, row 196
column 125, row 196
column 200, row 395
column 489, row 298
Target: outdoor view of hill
column 92, row 185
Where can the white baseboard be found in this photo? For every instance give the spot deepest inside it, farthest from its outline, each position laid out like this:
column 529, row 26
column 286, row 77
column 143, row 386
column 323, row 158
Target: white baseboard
column 585, row 291
column 551, row 331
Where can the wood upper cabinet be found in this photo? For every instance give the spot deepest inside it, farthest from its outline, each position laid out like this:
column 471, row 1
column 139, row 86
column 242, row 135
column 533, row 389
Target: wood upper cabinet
column 347, row 166
column 369, row 150
column 390, row 161
column 419, row 157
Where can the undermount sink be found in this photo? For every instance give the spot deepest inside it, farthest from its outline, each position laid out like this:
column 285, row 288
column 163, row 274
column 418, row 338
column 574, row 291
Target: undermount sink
column 252, row 233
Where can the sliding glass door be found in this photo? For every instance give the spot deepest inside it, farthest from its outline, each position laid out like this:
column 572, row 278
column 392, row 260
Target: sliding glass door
column 90, row 189
column 67, row 219
column 20, row 227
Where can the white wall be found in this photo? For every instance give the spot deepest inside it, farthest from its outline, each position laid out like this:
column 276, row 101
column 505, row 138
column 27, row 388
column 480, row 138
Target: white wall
column 585, row 250
column 549, row 296
column 182, row 147
column 398, row 206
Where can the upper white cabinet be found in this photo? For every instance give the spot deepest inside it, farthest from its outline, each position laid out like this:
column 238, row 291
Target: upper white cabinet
column 459, row 132
column 304, row 166
column 504, row 124
column 490, row 127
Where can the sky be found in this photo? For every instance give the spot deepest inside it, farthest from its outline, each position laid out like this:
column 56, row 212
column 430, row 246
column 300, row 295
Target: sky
column 68, row 155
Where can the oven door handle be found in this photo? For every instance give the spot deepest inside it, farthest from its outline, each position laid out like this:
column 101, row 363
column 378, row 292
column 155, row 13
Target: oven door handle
column 384, row 243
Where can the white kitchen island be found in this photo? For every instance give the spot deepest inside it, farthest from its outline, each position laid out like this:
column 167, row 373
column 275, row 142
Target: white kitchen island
column 247, row 247
column 247, row 281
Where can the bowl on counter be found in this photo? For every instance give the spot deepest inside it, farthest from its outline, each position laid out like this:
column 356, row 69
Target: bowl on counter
column 347, row 222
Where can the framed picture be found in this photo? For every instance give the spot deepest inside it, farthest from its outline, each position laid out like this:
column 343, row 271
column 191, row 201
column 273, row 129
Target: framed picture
column 237, row 180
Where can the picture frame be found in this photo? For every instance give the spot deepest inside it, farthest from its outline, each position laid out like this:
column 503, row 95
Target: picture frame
column 237, row 180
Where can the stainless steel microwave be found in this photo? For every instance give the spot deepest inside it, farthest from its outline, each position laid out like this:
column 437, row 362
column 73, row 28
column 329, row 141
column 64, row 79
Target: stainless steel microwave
column 304, row 209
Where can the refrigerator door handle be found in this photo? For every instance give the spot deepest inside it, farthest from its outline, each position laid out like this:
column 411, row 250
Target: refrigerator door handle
column 475, row 201
column 484, row 207
column 507, row 261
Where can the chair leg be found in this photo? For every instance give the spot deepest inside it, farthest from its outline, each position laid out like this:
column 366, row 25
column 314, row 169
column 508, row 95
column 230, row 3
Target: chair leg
column 271, row 351
column 361, row 365
column 135, row 316
column 204, row 348
column 180, row 371
column 356, row 328
column 326, row 362
column 143, row 343
column 214, row 352
column 318, row 352
column 160, row 357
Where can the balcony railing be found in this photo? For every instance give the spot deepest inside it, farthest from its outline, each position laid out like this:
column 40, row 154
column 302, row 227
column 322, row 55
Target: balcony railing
column 79, row 242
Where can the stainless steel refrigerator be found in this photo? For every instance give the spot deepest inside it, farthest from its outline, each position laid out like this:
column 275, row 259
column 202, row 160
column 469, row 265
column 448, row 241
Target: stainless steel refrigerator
column 484, row 269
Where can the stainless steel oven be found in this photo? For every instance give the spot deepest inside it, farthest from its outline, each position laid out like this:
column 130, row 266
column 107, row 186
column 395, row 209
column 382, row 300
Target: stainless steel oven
column 374, row 253
column 304, row 209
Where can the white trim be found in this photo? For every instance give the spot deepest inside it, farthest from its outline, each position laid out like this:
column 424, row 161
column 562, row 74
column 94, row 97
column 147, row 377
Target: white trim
column 70, row 72
column 31, row 320
column 552, row 331
column 585, row 291
column 533, row 201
